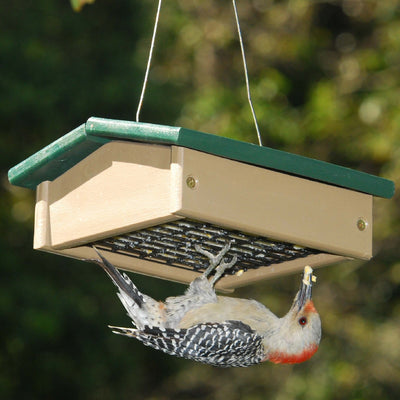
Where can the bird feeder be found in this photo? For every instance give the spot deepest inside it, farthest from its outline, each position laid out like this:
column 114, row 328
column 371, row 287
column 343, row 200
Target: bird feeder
column 145, row 194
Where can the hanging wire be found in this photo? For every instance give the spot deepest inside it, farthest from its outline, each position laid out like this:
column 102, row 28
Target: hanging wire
column 146, row 76
column 246, row 74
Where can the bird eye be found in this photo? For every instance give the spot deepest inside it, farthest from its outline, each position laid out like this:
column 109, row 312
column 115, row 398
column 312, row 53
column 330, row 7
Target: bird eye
column 303, row 321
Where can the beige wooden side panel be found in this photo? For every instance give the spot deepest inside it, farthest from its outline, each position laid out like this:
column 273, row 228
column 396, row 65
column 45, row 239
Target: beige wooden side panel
column 42, row 235
column 140, row 266
column 273, row 204
column 273, row 271
column 120, row 187
column 226, row 284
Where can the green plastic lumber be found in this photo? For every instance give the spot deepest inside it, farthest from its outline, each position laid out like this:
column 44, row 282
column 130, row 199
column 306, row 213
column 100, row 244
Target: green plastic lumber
column 54, row 159
column 61, row 155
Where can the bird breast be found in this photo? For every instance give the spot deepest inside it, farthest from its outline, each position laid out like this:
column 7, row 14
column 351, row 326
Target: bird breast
column 250, row 312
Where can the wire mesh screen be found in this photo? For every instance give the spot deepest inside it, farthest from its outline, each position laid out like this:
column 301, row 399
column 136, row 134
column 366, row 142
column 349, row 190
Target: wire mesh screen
column 173, row 244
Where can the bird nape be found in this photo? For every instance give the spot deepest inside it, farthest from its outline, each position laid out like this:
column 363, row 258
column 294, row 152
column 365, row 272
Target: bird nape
column 218, row 330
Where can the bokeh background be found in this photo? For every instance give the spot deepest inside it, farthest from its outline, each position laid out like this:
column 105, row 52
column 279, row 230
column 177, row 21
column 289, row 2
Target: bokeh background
column 325, row 79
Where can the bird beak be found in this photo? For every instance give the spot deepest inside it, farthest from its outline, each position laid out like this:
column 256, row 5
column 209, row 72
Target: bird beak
column 304, row 293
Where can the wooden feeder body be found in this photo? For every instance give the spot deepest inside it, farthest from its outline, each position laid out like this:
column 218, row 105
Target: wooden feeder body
column 146, row 194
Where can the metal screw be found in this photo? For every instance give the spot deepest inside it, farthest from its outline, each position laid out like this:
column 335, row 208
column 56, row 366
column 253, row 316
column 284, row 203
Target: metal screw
column 191, row 182
column 362, row 224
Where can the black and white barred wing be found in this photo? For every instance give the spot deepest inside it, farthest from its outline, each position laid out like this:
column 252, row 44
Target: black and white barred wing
column 227, row 344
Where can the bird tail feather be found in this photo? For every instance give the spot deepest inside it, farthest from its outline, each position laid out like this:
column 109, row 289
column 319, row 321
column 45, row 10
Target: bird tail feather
column 121, row 281
column 119, row 330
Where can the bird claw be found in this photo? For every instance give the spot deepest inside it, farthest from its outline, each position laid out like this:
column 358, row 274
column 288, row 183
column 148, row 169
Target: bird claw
column 219, row 271
column 216, row 261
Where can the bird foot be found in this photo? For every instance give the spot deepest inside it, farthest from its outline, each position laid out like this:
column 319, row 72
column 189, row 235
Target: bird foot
column 215, row 260
column 222, row 267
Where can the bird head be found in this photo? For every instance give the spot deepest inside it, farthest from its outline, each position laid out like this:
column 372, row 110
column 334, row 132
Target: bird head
column 299, row 332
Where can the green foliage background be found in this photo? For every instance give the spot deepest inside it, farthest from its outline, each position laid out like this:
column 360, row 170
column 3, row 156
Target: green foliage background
column 325, row 77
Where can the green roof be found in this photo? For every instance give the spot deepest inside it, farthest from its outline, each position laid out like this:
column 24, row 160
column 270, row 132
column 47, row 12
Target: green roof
column 59, row 156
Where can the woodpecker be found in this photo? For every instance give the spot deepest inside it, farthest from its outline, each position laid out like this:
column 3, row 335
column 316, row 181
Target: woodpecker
column 218, row 330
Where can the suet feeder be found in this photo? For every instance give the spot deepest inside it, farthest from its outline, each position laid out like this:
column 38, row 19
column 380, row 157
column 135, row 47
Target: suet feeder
column 145, row 194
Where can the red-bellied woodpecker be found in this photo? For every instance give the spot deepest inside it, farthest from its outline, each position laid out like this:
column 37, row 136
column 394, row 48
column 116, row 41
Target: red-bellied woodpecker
column 218, row 330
